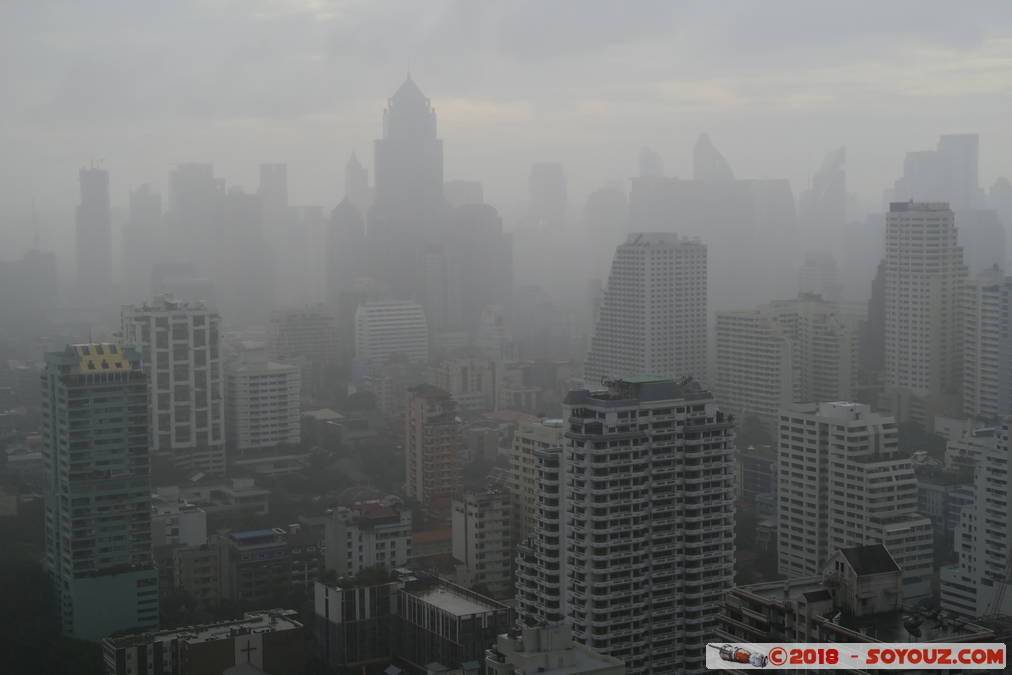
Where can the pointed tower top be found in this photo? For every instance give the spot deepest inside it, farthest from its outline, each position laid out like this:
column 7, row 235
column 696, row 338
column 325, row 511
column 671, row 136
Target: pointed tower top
column 353, row 160
column 409, row 93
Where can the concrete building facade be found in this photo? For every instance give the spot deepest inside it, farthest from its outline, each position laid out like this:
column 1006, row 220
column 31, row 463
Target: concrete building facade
column 843, row 482
column 97, row 492
column 180, row 348
column 634, row 545
column 653, row 318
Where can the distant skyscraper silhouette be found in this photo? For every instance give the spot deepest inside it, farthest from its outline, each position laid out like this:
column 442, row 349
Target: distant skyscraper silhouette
column 947, row 174
column 356, row 184
column 653, row 318
column 708, row 164
column 548, row 201
column 408, row 206
column 651, row 165
column 823, row 207
column 94, row 233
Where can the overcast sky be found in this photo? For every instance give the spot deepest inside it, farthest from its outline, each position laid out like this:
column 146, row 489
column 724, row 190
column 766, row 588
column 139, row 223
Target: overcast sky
column 142, row 85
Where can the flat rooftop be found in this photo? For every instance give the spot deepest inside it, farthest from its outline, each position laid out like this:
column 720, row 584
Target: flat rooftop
column 267, row 621
column 450, row 600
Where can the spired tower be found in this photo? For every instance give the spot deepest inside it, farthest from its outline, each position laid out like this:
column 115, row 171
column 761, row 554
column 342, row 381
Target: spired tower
column 408, row 207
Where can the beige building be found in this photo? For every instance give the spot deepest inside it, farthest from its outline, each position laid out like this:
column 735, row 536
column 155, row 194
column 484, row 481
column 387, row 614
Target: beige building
column 788, row 351
column 987, row 372
column 432, row 447
column 481, row 542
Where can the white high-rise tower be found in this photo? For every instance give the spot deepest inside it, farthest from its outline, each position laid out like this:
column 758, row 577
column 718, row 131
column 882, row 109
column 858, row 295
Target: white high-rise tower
column 180, row 348
column 653, row 317
column 924, row 275
column 634, row 540
column 842, row 482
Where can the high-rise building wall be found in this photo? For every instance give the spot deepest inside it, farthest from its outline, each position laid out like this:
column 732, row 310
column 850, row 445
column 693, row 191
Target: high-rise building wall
column 788, row 351
column 262, row 405
column 389, row 328
column 924, row 274
column 432, row 446
column 93, row 233
column 528, row 438
column 634, row 545
column 653, row 318
column 983, row 538
column 180, row 349
column 987, row 352
column 303, row 333
column 482, row 542
column 842, row 482
column 97, row 491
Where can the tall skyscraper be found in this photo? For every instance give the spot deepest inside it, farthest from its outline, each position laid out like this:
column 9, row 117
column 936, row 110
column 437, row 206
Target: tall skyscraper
column 983, row 538
column 408, row 205
column 788, row 351
column 749, row 225
column 823, row 207
column 194, row 221
column 653, row 318
column 708, row 165
column 308, row 333
column 93, row 233
column 949, row 173
column 547, row 196
column 987, row 346
column 180, row 347
column 432, row 447
column 842, row 482
column 356, row 184
column 98, row 494
column 924, row 275
column 634, row 545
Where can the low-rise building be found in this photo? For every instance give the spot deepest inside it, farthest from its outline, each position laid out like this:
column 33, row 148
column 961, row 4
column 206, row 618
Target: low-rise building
column 482, row 542
column 368, row 534
column 411, row 621
column 547, row 650
column 858, row 598
column 269, row 641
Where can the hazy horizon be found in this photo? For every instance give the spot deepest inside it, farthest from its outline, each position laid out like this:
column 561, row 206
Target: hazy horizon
column 775, row 85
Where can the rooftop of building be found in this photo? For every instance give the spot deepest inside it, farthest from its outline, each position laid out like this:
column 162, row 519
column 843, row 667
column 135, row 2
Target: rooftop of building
column 256, row 367
column 429, row 391
column 95, row 358
column 431, row 536
column 264, row 621
column 895, row 207
column 248, row 536
column 870, row 559
column 166, row 303
column 624, row 391
column 446, row 596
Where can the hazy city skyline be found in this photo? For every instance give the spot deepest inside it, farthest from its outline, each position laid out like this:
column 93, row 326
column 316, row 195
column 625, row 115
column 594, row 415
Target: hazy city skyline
column 775, row 85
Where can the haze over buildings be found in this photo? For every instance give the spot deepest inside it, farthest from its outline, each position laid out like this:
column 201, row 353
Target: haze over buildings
column 502, row 334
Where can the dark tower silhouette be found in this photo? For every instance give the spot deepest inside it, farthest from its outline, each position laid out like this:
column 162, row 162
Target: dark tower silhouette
column 94, row 233
column 356, row 184
column 408, row 206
